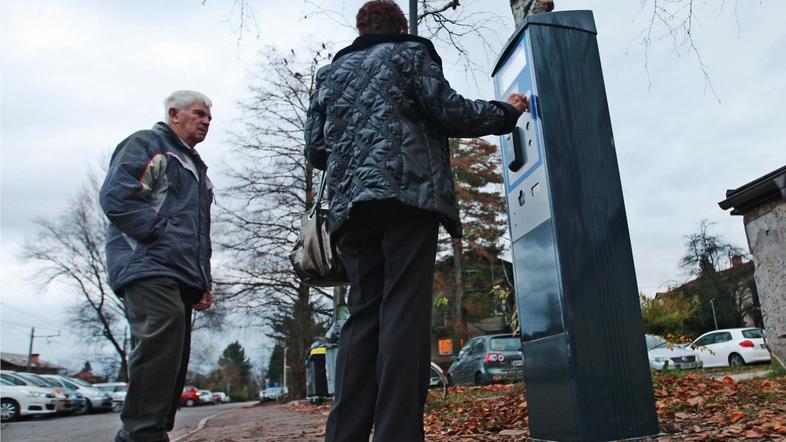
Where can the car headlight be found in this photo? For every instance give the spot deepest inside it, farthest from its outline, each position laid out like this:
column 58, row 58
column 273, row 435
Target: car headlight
column 29, row 393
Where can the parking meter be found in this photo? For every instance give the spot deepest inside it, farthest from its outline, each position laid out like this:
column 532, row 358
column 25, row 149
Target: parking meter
column 586, row 370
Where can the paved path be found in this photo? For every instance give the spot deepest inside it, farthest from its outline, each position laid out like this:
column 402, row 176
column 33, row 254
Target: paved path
column 268, row 422
column 96, row 427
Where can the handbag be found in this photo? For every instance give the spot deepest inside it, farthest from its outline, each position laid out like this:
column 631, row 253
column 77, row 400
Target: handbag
column 315, row 258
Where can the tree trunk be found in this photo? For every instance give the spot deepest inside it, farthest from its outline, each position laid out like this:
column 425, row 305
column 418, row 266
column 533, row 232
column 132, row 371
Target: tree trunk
column 300, row 340
column 339, row 298
column 122, row 373
column 460, row 320
column 522, row 8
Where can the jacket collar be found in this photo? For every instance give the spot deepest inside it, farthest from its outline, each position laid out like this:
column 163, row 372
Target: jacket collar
column 368, row 40
column 176, row 141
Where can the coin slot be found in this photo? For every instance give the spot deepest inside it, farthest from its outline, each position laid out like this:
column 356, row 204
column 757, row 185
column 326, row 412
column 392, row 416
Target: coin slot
column 535, row 189
column 521, row 198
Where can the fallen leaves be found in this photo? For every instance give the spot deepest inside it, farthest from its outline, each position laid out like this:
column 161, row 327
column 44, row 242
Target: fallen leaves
column 690, row 408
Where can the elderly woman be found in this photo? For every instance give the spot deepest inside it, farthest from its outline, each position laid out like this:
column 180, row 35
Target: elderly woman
column 378, row 124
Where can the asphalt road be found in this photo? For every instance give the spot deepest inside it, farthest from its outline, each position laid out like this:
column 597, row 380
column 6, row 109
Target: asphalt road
column 96, row 427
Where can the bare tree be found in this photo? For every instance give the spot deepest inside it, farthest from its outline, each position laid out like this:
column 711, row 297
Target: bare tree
column 715, row 283
column 674, row 20
column 70, row 249
column 272, row 187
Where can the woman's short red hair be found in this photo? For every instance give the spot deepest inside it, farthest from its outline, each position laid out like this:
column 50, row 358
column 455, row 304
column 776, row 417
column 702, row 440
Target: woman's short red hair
column 381, row 17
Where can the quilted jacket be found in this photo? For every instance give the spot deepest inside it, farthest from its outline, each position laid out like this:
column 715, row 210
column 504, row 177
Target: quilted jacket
column 157, row 197
column 379, row 123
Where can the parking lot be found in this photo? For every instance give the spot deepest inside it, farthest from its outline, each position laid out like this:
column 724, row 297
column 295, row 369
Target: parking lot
column 97, row 427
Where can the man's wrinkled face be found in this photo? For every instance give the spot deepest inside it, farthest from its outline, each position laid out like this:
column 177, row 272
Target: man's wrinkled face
column 191, row 124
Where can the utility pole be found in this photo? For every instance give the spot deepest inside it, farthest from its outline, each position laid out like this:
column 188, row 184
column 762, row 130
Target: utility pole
column 30, row 348
column 284, row 381
column 714, row 318
column 413, row 17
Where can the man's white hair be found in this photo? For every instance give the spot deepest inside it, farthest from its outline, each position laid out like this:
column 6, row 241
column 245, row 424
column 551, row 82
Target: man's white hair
column 181, row 100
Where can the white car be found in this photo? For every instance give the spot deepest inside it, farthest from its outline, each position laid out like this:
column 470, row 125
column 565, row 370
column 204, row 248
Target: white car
column 63, row 403
column 731, row 347
column 220, row 397
column 270, row 394
column 661, row 352
column 18, row 399
column 118, row 392
column 206, row 397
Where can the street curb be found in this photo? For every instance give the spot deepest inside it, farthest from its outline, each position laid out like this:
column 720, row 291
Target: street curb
column 199, row 426
column 743, row 376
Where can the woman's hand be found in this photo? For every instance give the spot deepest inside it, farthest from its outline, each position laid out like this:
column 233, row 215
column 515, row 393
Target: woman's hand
column 519, row 101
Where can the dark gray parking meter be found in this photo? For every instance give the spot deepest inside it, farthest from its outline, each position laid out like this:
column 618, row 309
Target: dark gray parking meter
column 586, row 370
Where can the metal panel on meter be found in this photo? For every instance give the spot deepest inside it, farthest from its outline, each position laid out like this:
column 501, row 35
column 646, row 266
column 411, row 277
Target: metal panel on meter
column 528, row 179
column 585, row 363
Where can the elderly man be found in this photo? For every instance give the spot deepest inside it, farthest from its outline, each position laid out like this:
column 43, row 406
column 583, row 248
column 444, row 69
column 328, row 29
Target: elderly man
column 157, row 197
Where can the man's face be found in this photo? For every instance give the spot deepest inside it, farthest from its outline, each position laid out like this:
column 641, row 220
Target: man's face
column 191, row 124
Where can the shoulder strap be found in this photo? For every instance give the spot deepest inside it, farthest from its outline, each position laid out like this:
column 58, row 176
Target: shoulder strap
column 318, row 196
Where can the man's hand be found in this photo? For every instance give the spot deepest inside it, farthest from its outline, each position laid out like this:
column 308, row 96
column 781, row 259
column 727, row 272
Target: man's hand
column 519, row 101
column 205, row 302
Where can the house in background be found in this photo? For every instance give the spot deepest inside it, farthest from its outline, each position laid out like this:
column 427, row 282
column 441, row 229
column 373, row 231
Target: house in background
column 762, row 205
column 18, row 362
column 746, row 294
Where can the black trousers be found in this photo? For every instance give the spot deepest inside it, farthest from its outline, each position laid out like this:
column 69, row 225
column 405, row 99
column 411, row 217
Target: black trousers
column 159, row 311
column 382, row 368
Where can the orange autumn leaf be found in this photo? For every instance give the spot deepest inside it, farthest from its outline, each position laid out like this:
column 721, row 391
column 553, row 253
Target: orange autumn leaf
column 735, row 417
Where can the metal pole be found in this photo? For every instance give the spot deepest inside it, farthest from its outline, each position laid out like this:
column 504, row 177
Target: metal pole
column 714, row 318
column 30, row 350
column 284, row 381
column 413, row 17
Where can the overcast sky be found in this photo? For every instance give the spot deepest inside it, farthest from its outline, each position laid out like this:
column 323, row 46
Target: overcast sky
column 77, row 77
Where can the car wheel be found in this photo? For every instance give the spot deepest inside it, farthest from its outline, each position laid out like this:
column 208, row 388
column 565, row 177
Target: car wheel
column 450, row 379
column 117, row 407
column 479, row 379
column 88, row 408
column 190, row 403
column 83, row 409
column 9, row 410
column 736, row 360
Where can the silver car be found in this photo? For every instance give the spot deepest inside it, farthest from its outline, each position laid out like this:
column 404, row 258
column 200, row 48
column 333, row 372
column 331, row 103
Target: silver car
column 95, row 399
column 118, row 392
column 665, row 355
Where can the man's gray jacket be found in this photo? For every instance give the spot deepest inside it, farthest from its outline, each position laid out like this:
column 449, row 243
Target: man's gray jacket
column 157, row 197
column 379, row 124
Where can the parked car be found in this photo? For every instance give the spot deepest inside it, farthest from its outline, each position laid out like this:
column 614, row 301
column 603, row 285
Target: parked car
column 488, row 359
column 663, row 353
column 731, row 346
column 63, row 404
column 77, row 398
column 17, row 399
column 206, row 397
column 270, row 394
column 118, row 392
column 220, row 397
column 190, row 396
column 95, row 399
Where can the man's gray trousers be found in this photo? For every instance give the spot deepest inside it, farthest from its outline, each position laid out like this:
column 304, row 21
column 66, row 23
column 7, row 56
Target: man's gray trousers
column 159, row 311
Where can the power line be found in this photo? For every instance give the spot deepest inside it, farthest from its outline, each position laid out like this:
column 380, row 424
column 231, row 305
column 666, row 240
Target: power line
column 18, row 310
column 17, row 324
